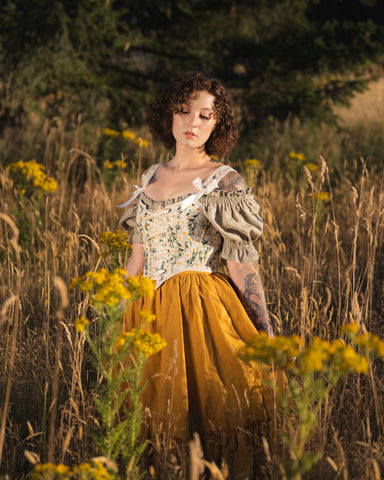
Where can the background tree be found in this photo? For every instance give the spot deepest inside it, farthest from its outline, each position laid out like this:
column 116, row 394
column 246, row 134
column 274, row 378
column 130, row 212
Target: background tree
column 279, row 57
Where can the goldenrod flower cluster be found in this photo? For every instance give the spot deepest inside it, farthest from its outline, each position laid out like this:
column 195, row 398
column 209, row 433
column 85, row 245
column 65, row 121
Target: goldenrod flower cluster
column 142, row 341
column 97, row 471
column 85, row 471
column 322, row 196
column 34, row 174
column 370, row 343
column 116, row 242
column 289, row 353
column 118, row 164
column 300, row 157
column 147, row 315
column 141, row 143
column 312, row 167
column 43, row 471
column 352, row 329
column 142, row 285
column 323, row 354
column 105, row 287
column 251, row 162
column 109, row 132
column 128, row 135
column 81, row 323
column 109, row 288
column 280, row 350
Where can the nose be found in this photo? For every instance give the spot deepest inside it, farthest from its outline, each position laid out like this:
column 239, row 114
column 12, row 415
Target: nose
column 193, row 119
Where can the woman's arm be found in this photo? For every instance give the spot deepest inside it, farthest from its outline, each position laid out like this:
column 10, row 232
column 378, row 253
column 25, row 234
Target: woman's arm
column 247, row 279
column 136, row 260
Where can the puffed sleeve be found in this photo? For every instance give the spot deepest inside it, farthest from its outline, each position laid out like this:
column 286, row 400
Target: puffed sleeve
column 128, row 223
column 235, row 215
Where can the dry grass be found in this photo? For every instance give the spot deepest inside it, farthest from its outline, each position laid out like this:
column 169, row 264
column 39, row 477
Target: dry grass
column 322, row 264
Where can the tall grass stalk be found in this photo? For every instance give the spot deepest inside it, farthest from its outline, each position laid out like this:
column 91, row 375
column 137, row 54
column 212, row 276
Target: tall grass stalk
column 322, row 264
column 11, row 347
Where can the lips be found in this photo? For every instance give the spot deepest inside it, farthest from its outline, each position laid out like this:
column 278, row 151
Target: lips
column 190, row 134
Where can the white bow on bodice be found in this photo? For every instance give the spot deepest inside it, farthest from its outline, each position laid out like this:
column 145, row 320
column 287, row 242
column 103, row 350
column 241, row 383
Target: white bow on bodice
column 191, row 199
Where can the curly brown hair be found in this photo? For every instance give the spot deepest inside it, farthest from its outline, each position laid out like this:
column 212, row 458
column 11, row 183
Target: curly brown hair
column 160, row 115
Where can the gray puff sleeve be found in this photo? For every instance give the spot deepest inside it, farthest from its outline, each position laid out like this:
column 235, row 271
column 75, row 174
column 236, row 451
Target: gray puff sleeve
column 128, row 223
column 235, row 215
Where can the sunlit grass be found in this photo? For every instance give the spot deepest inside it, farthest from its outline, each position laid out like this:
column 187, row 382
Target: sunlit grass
column 321, row 258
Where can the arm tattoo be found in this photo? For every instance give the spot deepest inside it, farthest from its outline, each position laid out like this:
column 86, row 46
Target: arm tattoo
column 255, row 304
column 233, row 181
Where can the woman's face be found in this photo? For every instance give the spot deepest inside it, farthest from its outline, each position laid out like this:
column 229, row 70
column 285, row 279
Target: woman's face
column 193, row 125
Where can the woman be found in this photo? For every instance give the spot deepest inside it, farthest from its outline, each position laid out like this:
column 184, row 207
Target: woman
column 189, row 212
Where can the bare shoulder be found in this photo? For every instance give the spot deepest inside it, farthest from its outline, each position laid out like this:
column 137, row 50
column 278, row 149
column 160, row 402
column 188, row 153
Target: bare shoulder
column 152, row 172
column 232, row 181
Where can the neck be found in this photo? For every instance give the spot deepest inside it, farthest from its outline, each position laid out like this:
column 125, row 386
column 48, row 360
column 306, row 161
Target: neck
column 189, row 158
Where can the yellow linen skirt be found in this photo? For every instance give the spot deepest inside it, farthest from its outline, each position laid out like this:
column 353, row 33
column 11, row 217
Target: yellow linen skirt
column 197, row 383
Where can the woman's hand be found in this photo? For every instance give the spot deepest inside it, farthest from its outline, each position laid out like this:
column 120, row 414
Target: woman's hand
column 247, row 279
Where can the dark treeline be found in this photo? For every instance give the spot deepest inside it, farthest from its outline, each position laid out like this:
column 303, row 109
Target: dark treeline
column 280, row 58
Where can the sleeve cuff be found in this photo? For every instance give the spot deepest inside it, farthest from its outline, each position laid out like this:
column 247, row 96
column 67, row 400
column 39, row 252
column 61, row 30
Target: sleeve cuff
column 239, row 252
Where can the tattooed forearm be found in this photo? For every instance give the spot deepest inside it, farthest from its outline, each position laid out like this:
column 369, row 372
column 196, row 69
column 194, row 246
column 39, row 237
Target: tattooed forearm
column 254, row 298
column 246, row 278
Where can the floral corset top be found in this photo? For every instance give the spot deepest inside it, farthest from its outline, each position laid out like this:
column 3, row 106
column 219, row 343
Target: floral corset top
column 192, row 231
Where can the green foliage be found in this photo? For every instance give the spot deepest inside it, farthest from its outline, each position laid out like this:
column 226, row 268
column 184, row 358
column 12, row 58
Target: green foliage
column 280, row 58
column 119, row 357
column 312, row 370
column 31, row 187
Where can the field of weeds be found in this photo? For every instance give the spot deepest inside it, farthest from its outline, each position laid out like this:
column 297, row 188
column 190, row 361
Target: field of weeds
column 321, row 257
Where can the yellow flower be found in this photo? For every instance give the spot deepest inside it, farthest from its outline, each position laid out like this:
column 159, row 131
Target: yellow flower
column 108, row 165
column 97, row 471
column 147, row 315
column 321, row 356
column 315, row 357
column 44, row 471
column 128, row 134
column 351, row 328
column 33, row 173
column 312, row 166
column 148, row 343
column 121, row 164
column 105, row 287
column 109, row 288
column 116, row 242
column 322, row 196
column 371, row 343
column 142, row 341
column 300, row 157
column 141, row 142
column 142, row 285
column 81, row 323
column 108, row 132
column 50, row 185
column 280, row 350
column 251, row 162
